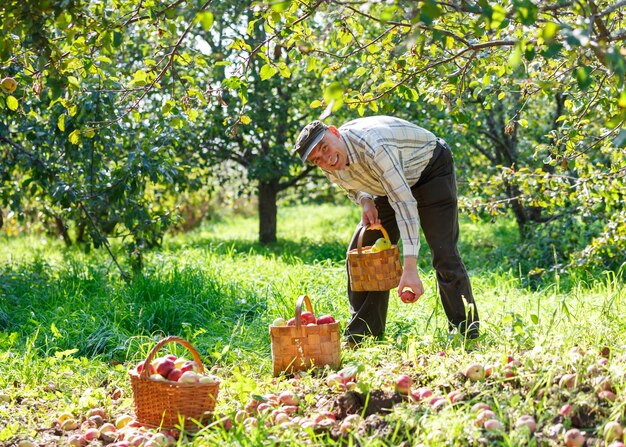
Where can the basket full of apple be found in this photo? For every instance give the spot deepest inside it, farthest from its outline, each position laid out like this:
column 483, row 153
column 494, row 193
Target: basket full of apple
column 169, row 391
column 375, row 267
column 304, row 341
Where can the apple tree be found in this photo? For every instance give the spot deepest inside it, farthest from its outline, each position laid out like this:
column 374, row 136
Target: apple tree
column 534, row 89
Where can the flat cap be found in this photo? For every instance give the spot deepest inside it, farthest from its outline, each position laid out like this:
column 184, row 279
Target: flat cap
column 308, row 139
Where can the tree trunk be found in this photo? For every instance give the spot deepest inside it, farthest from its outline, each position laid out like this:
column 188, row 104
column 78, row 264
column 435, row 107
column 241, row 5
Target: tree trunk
column 62, row 230
column 268, row 192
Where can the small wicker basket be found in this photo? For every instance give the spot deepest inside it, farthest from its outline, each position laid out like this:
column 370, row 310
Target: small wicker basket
column 373, row 271
column 299, row 347
column 167, row 404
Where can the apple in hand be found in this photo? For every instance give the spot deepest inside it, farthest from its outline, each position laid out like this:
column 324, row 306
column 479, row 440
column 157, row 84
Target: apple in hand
column 407, row 296
column 325, row 319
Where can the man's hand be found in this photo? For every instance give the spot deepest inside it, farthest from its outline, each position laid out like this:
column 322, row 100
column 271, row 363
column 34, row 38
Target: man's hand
column 410, row 280
column 370, row 212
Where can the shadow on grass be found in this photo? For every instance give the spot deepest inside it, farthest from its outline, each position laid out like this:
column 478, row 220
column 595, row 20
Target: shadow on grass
column 53, row 311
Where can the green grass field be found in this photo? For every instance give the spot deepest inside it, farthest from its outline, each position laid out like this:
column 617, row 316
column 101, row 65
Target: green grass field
column 70, row 329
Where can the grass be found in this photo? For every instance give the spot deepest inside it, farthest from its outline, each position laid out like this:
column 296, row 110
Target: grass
column 70, row 329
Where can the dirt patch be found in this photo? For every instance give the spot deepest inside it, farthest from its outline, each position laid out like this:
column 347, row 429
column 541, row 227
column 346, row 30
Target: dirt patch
column 352, row 402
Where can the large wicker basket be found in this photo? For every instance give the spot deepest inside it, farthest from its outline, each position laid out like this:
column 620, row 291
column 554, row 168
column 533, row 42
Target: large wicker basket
column 167, row 404
column 300, row 347
column 373, row 271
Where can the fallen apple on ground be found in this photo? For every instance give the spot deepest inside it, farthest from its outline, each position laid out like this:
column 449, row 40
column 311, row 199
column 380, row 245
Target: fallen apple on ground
column 403, row 384
column 474, row 372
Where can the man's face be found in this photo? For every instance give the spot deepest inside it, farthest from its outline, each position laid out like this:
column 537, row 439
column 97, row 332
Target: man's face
column 330, row 154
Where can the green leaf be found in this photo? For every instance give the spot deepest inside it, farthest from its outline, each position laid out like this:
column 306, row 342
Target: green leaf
column 279, row 5
column 267, row 71
column 583, row 77
column 315, row 104
column 12, row 102
column 61, row 123
column 516, row 57
column 534, row 318
column 548, row 32
column 193, row 115
column 74, row 137
column 622, row 100
column 206, row 20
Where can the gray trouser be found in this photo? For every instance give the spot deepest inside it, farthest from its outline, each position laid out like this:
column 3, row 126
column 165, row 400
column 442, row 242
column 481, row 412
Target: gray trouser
column 436, row 195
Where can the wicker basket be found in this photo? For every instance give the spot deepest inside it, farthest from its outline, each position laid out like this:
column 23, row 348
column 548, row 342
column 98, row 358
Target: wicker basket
column 299, row 347
column 167, row 404
column 371, row 271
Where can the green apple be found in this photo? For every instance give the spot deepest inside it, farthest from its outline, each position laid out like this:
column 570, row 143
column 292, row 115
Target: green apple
column 381, row 244
column 279, row 322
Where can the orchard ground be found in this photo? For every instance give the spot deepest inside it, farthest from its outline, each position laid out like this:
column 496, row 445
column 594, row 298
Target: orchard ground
column 553, row 357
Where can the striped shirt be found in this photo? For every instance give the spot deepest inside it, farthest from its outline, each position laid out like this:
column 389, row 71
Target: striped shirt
column 386, row 157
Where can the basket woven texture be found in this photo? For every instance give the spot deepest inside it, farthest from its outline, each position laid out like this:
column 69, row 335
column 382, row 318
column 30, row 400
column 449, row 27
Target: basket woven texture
column 169, row 404
column 373, row 271
column 300, row 347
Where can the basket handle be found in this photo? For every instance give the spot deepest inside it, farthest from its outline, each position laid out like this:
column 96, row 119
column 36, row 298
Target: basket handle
column 302, row 299
column 369, row 227
column 170, row 339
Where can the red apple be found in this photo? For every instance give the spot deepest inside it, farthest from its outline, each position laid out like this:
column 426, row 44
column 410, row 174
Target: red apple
column 174, row 375
column 407, row 296
column 189, row 366
column 574, row 438
column 565, row 410
column 91, row 434
column 526, row 421
column 291, row 321
column 76, row 440
column 97, row 412
column 613, row 431
column 483, row 416
column 141, row 365
column 325, row 319
column 607, row 395
column 492, row 425
column 288, row 398
column 164, row 367
column 568, row 381
column 403, row 384
column 307, row 318
column 171, row 357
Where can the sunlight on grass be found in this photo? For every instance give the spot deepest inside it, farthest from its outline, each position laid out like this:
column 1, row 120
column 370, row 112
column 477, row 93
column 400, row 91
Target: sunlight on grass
column 70, row 328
